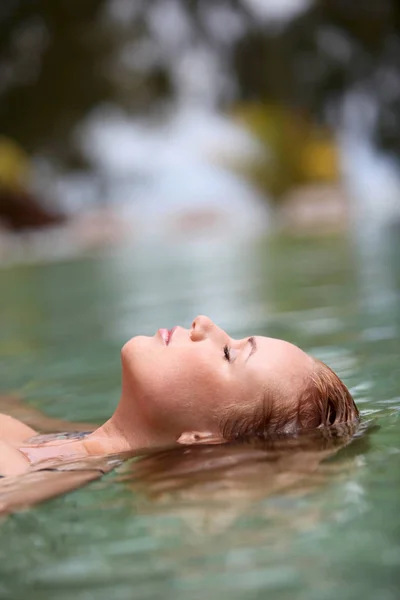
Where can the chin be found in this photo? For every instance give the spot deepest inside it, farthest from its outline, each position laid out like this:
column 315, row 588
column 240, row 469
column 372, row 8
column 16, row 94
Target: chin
column 138, row 357
column 133, row 347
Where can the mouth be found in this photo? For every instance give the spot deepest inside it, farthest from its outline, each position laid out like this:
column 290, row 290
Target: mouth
column 166, row 335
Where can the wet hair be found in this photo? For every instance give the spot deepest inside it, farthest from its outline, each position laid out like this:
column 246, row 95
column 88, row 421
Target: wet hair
column 323, row 401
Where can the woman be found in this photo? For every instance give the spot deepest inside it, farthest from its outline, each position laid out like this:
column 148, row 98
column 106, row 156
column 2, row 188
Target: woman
column 196, row 386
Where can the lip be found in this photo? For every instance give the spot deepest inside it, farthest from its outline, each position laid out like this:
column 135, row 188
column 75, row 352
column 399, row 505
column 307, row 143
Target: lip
column 166, row 335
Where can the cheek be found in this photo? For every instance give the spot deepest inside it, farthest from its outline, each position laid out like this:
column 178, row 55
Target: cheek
column 184, row 381
column 155, row 371
column 177, row 386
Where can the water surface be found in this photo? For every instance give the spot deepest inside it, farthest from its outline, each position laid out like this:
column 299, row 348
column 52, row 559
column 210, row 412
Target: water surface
column 333, row 532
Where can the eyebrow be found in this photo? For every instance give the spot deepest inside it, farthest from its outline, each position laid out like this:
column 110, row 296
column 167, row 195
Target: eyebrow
column 253, row 345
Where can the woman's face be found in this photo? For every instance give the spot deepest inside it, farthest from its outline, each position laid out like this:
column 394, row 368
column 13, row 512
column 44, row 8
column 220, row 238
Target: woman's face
column 187, row 380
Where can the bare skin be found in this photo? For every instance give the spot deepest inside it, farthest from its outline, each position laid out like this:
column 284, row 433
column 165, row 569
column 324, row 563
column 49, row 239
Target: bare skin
column 238, row 473
column 31, row 484
column 175, row 389
column 15, row 431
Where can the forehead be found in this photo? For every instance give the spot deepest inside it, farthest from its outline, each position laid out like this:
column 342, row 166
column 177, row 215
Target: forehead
column 279, row 361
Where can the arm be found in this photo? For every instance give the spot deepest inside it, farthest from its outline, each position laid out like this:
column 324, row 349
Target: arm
column 14, row 432
column 36, row 420
column 12, row 461
column 49, row 479
column 18, row 493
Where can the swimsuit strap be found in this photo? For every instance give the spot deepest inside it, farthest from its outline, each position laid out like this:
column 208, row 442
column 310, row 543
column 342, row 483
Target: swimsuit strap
column 63, row 471
column 101, row 471
column 55, row 437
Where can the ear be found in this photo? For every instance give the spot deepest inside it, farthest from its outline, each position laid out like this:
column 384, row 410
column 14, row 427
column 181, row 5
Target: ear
column 188, row 438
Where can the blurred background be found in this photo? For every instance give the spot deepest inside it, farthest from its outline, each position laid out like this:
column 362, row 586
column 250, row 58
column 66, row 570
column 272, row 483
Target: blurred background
column 161, row 159
column 124, row 119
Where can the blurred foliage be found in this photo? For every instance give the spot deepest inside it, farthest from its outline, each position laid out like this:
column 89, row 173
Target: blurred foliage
column 51, row 58
column 297, row 150
column 58, row 60
column 14, row 165
column 338, row 47
column 277, row 131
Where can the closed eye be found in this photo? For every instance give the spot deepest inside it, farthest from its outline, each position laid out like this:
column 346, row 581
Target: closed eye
column 230, row 354
column 227, row 354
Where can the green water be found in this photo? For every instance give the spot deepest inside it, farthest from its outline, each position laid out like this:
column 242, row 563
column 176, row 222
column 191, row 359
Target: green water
column 337, row 535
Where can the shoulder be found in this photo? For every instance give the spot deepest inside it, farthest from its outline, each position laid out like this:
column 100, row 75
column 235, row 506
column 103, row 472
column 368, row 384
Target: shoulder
column 12, row 461
column 14, row 432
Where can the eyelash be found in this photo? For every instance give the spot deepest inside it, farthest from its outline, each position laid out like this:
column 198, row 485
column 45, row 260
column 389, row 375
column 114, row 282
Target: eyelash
column 227, row 354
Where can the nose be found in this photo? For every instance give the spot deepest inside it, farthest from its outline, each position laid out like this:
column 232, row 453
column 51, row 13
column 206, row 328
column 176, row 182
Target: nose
column 201, row 328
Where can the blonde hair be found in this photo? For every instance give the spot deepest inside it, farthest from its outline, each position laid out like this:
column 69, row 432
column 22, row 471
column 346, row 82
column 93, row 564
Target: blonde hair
column 324, row 401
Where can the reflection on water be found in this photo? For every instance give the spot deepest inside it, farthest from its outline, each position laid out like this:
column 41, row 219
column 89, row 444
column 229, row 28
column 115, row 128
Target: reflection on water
column 219, row 522
column 228, row 479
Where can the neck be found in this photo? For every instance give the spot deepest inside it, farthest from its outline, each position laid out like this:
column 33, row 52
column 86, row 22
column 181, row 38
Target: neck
column 123, row 432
